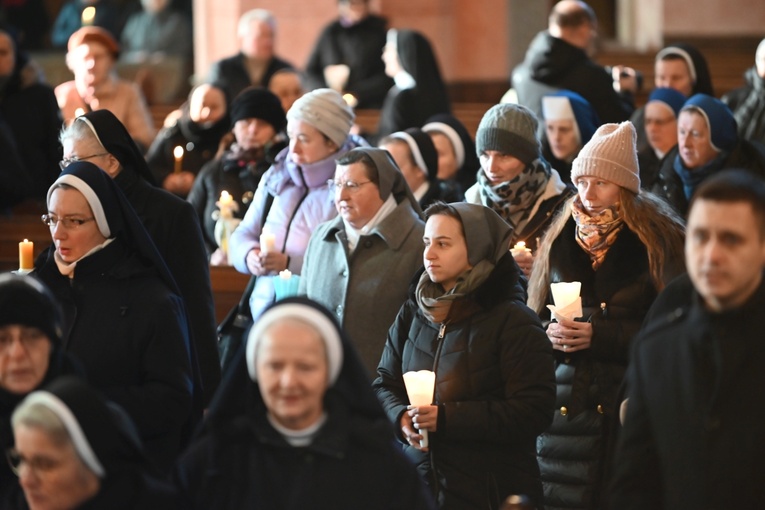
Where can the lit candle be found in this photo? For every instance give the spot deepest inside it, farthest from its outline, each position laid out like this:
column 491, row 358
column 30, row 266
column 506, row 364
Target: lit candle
column 568, row 303
column 88, row 15
column 520, row 247
column 285, row 275
column 79, row 112
column 225, row 199
column 178, row 154
column 419, row 389
column 267, row 241
column 26, row 254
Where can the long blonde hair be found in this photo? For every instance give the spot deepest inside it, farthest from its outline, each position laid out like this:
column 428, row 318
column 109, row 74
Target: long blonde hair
column 655, row 223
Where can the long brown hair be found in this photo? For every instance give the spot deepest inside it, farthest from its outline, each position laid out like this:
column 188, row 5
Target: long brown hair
column 655, row 223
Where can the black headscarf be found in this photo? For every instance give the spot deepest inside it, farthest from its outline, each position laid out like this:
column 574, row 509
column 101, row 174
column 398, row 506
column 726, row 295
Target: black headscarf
column 417, row 58
column 107, row 431
column 238, row 396
column 113, row 135
column 13, row 83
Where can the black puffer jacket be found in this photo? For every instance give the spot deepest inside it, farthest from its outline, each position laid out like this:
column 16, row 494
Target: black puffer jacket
column 748, row 105
column 573, row 453
column 552, row 64
column 494, row 389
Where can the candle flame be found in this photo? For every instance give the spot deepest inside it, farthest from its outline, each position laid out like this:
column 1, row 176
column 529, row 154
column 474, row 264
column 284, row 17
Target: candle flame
column 350, row 100
column 520, row 245
column 79, row 112
column 26, row 240
column 178, row 152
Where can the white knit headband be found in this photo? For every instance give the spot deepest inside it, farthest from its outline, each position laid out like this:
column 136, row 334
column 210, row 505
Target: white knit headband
column 72, row 426
column 451, row 134
column 90, row 196
column 326, row 329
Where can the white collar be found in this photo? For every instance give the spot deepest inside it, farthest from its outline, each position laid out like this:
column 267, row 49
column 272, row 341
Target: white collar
column 353, row 234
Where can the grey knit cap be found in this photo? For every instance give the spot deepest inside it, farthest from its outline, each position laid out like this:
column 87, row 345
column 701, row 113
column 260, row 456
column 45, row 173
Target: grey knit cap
column 327, row 111
column 611, row 154
column 510, row 129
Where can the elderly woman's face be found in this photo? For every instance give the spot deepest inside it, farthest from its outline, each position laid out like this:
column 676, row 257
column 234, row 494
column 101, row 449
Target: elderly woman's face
column 52, row 475
column 597, row 194
column 292, row 373
column 73, row 241
column 694, row 140
column 446, row 255
column 308, row 144
column 356, row 204
column 24, row 358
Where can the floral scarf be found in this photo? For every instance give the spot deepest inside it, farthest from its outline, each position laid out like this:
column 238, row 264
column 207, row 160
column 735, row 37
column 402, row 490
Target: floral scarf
column 513, row 200
column 596, row 234
column 436, row 304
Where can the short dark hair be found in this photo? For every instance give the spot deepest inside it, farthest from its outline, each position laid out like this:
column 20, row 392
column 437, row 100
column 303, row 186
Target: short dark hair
column 573, row 18
column 735, row 185
column 439, row 207
column 365, row 159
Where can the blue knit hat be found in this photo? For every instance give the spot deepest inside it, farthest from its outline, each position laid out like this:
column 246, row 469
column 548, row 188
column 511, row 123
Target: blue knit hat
column 723, row 130
column 673, row 99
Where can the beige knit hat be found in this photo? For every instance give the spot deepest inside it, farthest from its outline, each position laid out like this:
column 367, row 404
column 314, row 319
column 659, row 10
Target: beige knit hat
column 611, row 154
column 327, row 111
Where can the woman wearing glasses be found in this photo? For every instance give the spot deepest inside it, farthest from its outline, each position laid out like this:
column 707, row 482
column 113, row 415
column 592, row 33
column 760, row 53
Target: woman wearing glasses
column 75, row 450
column 30, row 356
column 292, row 198
column 373, row 248
column 123, row 317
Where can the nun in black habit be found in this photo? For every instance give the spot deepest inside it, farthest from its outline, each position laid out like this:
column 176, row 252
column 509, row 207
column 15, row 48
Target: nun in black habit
column 123, row 317
column 272, row 440
column 101, row 461
column 171, row 222
column 27, row 362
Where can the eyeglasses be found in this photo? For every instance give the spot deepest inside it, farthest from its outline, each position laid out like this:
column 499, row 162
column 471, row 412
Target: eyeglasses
column 351, row 186
column 36, row 464
column 68, row 161
column 29, row 339
column 67, row 223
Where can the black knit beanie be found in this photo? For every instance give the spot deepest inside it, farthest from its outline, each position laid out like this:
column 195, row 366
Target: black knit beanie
column 25, row 300
column 258, row 103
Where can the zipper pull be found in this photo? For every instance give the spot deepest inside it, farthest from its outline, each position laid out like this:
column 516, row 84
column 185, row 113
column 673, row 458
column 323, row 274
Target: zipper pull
column 442, row 331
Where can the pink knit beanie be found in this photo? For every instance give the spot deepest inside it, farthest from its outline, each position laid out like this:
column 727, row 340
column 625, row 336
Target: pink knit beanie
column 611, row 154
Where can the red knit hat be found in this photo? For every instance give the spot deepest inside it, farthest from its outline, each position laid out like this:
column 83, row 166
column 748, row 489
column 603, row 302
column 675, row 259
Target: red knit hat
column 94, row 34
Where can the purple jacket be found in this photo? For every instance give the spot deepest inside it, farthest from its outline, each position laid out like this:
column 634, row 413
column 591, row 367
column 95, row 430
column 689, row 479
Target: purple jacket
column 302, row 200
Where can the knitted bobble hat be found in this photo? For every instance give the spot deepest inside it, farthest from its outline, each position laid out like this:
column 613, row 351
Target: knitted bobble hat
column 327, row 111
column 510, row 129
column 611, row 154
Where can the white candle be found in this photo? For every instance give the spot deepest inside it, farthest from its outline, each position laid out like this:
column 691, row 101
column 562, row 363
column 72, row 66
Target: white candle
column 520, row 247
column 26, row 254
column 225, row 199
column 178, row 155
column 88, row 15
column 419, row 388
column 267, row 241
column 285, row 275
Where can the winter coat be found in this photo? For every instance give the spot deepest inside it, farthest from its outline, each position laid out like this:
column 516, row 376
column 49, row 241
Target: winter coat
column 129, row 331
column 494, row 391
column 28, row 107
column 358, row 46
column 692, row 433
column 238, row 177
column 231, row 75
column 668, row 185
column 552, row 64
column 650, row 164
column 367, row 288
column 302, row 200
column 748, row 106
column 170, row 222
column 574, row 452
column 542, row 213
column 123, row 98
column 200, row 144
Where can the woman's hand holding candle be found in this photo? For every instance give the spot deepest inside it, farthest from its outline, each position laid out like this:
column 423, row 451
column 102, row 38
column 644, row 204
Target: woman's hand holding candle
column 523, row 257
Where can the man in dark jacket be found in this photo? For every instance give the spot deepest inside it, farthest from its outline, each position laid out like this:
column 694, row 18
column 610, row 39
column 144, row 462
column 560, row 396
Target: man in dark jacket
column 255, row 63
column 558, row 58
column 748, row 102
column 347, row 55
column 692, row 433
